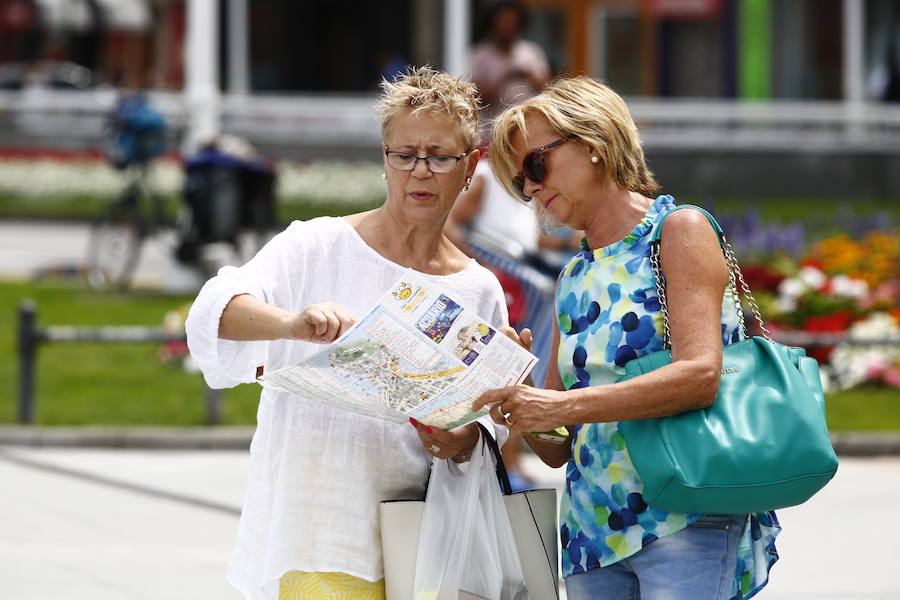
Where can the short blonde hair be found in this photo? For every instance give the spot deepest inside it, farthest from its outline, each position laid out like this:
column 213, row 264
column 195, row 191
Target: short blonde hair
column 586, row 110
column 425, row 89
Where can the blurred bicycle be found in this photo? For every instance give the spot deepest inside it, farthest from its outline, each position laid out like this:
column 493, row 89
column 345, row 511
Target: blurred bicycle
column 135, row 134
column 228, row 191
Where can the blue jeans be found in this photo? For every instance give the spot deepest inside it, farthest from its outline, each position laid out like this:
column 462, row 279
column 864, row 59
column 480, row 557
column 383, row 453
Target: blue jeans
column 696, row 563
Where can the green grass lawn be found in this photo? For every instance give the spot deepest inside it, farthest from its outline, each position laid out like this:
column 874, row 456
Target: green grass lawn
column 126, row 384
column 825, row 212
column 89, row 208
column 864, row 409
column 105, row 384
column 824, row 216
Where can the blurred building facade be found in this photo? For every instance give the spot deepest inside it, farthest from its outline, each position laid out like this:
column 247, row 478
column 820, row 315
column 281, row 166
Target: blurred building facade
column 756, row 49
column 297, row 78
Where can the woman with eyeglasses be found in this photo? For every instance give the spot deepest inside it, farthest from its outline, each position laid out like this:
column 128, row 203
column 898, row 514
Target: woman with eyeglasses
column 573, row 153
column 317, row 474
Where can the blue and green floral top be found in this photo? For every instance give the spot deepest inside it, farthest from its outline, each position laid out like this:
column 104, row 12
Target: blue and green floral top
column 608, row 313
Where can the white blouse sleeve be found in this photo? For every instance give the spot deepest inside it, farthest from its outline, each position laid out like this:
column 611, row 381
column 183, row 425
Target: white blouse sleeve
column 270, row 277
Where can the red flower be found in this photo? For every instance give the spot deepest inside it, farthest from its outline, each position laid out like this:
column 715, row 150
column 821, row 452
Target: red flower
column 836, row 322
column 891, row 376
column 812, row 262
column 761, row 277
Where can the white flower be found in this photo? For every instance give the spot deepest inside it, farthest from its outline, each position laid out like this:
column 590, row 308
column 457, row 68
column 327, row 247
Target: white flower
column 331, row 183
column 189, row 364
column 46, row 180
column 878, row 325
column 792, row 287
column 812, row 277
column 786, row 304
column 842, row 285
column 173, row 322
column 319, row 183
column 851, row 364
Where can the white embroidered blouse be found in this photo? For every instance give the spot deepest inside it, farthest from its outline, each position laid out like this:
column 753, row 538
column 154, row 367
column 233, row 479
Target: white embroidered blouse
column 317, row 473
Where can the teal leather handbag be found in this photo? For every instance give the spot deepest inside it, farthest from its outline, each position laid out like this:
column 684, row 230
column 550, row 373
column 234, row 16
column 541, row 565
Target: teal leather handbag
column 763, row 444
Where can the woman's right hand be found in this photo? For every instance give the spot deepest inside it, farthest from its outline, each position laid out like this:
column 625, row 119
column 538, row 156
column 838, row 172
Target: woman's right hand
column 320, row 323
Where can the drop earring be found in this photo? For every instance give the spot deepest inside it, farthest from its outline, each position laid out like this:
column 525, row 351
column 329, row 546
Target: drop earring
column 384, row 176
column 465, row 188
column 595, row 160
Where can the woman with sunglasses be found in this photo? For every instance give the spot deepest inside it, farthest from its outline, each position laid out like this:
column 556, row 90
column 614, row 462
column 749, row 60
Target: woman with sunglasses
column 573, row 153
column 309, row 523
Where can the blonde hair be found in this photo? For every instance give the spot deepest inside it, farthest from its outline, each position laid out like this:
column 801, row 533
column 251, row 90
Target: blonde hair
column 588, row 111
column 425, row 89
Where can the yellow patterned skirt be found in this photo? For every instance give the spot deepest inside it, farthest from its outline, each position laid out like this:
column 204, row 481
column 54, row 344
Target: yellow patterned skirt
column 299, row 585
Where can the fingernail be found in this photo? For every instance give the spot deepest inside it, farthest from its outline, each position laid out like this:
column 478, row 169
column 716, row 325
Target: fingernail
column 428, row 429
column 414, row 422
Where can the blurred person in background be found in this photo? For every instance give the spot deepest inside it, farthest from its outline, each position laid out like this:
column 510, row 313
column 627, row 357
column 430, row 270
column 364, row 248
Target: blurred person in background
column 488, row 209
column 506, row 68
column 575, row 153
column 884, row 81
column 317, row 473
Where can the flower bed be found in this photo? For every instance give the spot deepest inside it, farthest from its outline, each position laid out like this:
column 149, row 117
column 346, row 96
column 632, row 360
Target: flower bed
column 82, row 186
column 841, row 286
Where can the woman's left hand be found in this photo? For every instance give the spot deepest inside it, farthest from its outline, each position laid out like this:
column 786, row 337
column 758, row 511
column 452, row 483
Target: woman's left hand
column 524, row 409
column 447, row 444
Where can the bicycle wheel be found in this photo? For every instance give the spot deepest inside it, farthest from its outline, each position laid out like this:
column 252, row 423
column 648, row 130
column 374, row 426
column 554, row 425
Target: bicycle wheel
column 115, row 246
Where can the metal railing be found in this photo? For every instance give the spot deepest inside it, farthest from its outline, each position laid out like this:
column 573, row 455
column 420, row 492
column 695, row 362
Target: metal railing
column 538, row 289
column 349, row 120
column 808, row 339
column 32, row 337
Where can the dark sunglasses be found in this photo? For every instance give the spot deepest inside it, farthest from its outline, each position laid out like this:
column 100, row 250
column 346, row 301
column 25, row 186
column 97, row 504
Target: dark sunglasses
column 533, row 167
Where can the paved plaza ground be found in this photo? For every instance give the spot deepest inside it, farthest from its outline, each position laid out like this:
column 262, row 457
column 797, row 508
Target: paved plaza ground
column 91, row 524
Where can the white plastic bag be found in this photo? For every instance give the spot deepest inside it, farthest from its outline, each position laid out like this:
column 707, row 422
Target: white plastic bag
column 466, row 547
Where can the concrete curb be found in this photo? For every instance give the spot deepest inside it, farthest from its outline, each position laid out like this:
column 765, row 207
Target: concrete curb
column 866, row 443
column 238, row 438
column 162, row 438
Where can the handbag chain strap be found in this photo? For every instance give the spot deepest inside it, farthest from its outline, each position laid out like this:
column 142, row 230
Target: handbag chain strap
column 734, row 269
column 735, row 276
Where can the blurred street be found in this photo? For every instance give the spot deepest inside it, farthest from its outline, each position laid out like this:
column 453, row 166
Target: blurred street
column 136, row 524
column 68, row 536
column 51, row 249
column 32, row 248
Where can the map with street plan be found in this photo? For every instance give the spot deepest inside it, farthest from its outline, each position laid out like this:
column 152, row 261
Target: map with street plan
column 418, row 353
column 374, row 369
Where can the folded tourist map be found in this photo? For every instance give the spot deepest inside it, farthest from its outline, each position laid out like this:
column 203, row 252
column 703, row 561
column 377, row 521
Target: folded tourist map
column 418, row 353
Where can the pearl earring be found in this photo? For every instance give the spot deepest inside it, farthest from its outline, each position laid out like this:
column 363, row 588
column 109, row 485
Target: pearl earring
column 384, row 175
column 466, row 186
column 595, row 160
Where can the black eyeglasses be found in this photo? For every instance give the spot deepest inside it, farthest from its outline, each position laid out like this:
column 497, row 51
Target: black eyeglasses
column 533, row 167
column 436, row 163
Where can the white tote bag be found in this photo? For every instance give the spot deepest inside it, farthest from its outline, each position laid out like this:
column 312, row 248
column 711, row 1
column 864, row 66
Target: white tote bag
column 532, row 516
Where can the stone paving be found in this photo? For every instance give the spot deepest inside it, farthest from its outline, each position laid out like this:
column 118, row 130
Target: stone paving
column 97, row 524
